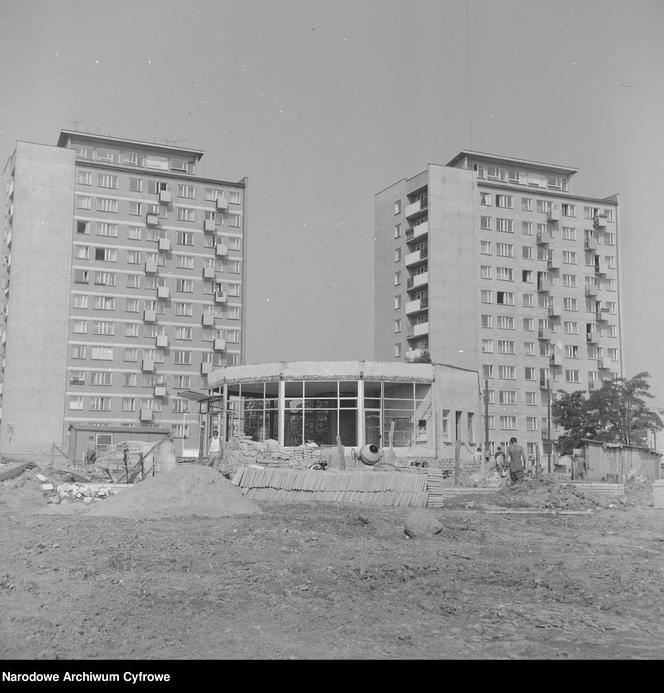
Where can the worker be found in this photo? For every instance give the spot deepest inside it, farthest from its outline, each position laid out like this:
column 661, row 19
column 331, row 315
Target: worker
column 500, row 461
column 91, row 451
column 214, row 449
column 516, row 460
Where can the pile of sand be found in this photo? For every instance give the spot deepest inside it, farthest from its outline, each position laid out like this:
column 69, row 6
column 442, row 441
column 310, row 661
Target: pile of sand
column 184, row 491
column 544, row 493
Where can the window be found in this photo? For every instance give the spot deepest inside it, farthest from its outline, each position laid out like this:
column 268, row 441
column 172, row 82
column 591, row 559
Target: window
column 234, row 220
column 397, row 230
column 504, row 250
column 571, row 327
column 185, row 286
column 397, row 254
column 505, row 322
column 569, row 233
column 103, row 327
column 569, row 257
column 569, row 280
column 128, row 404
column 527, row 276
column 507, row 397
column 80, row 327
column 131, row 354
column 78, row 351
column 105, row 278
column 184, row 309
column 505, row 298
column 397, row 207
column 104, row 303
column 590, row 212
column 568, row 210
column 133, row 305
column 83, row 202
column 527, row 252
column 529, row 373
column 100, row 403
column 82, row 252
column 102, row 228
column 186, row 214
column 80, row 301
column 182, row 358
column 572, row 376
column 234, row 267
column 532, row 423
column 485, row 222
column 76, row 402
column 107, row 180
column 529, row 348
column 529, row 324
column 101, row 378
column 486, row 296
column 504, row 225
column 610, row 262
column 485, row 247
column 131, row 329
column 235, row 197
column 531, row 398
column 487, row 346
column 135, row 208
column 571, row 351
column 505, row 346
column 77, row 378
column 543, row 206
column 397, row 278
column 185, row 190
column 184, row 333
column 84, row 178
column 527, row 204
column 527, row 228
column 485, row 271
column 612, row 330
column 486, row 321
column 505, row 274
column 508, row 423
column 82, row 227
column 184, row 238
column 487, row 371
column 528, row 300
column 485, row 199
column 101, row 353
column 107, row 204
column 570, row 303
column 397, row 302
column 397, row 325
column 504, row 201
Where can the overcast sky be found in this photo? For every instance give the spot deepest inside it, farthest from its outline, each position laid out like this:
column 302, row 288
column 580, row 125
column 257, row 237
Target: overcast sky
column 322, row 104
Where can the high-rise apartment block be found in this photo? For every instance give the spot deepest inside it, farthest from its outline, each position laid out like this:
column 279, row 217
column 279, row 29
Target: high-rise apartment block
column 123, row 284
column 491, row 263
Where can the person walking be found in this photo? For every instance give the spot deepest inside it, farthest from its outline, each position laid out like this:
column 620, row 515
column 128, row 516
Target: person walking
column 516, row 460
column 500, row 461
column 214, row 449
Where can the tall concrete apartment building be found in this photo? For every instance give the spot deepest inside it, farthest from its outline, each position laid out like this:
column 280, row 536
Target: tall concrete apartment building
column 123, row 284
column 491, row 263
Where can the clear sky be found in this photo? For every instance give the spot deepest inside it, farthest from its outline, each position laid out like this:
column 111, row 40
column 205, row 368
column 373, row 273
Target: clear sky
column 322, row 104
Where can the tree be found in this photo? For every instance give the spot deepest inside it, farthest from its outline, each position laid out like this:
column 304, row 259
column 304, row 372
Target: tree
column 616, row 413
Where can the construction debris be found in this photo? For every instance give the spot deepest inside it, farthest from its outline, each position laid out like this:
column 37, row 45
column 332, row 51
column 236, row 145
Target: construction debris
column 16, row 471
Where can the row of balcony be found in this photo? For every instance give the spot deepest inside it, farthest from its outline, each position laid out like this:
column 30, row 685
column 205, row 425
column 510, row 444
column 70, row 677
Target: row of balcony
column 166, row 198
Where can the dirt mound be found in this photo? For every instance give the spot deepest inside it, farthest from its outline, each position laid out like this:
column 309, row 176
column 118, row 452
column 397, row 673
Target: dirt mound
column 183, row 491
column 544, row 493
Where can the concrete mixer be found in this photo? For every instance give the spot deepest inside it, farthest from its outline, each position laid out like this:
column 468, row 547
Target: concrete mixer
column 368, row 454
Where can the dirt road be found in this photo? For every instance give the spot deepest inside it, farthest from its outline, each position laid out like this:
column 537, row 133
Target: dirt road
column 330, row 581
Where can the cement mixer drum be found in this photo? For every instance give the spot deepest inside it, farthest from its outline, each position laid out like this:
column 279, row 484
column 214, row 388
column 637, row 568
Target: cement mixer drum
column 369, row 454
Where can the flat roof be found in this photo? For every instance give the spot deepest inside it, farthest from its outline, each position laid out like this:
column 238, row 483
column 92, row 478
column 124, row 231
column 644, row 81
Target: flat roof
column 108, row 139
column 513, row 161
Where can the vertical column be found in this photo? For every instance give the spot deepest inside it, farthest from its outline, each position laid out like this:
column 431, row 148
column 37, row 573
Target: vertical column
column 282, row 412
column 224, row 417
column 360, row 413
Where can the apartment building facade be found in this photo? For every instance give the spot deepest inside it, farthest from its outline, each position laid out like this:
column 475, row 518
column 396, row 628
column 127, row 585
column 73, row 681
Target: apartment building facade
column 123, row 285
column 491, row 263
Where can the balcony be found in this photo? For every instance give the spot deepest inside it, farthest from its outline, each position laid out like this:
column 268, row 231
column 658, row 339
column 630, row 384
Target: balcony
column 146, row 415
column 542, row 238
column 600, row 266
column 207, row 320
column 147, row 366
column 206, row 367
column 600, row 221
column 553, row 263
column 209, row 273
column 219, row 344
column 419, row 330
column 601, row 316
column 544, row 285
column 545, row 334
column 553, row 311
column 544, row 384
column 417, row 305
column 221, row 250
column 418, row 231
column 162, row 341
column 601, row 365
column 417, row 281
column 553, row 215
column 209, row 225
column 592, row 337
column 417, row 207
column 165, row 197
column 165, row 244
column 152, row 219
column 151, row 266
column 590, row 244
column 222, row 203
column 554, row 361
column 415, row 354
column 163, row 292
column 220, row 297
column 150, row 315
column 591, row 291
column 160, row 390
column 415, row 257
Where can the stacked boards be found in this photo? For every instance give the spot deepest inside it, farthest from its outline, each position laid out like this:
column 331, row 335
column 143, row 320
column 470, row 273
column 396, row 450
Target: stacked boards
column 658, row 494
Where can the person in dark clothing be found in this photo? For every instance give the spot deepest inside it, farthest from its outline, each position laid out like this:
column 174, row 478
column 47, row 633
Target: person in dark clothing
column 516, row 459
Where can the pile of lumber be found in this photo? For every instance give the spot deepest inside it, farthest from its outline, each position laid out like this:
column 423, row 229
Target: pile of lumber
column 372, row 487
column 658, row 494
column 13, row 472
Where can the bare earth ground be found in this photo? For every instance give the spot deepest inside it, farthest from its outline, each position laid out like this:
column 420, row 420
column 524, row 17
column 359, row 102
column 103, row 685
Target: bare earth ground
column 323, row 580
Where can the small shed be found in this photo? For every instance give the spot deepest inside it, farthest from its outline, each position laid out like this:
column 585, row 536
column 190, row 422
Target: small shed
column 107, row 436
column 614, row 461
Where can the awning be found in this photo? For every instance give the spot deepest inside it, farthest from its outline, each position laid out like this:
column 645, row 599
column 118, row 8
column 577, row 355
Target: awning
column 196, row 396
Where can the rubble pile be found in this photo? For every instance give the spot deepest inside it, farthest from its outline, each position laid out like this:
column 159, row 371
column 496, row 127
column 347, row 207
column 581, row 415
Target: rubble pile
column 544, row 493
column 242, row 450
column 66, row 492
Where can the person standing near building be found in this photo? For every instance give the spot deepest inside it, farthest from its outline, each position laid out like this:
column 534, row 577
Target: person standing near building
column 500, row 461
column 516, row 460
column 91, row 451
column 214, row 449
